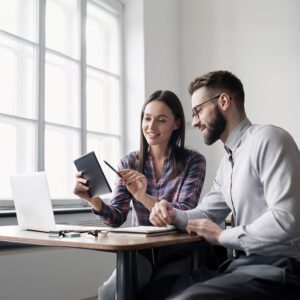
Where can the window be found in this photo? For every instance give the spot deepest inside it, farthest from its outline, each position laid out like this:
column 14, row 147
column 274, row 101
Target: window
column 61, row 87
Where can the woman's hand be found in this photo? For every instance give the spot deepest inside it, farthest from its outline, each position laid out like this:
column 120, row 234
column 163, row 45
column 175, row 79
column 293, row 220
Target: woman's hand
column 135, row 182
column 81, row 190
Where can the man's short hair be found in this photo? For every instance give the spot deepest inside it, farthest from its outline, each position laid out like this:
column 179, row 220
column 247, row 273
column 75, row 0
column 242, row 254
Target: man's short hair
column 221, row 81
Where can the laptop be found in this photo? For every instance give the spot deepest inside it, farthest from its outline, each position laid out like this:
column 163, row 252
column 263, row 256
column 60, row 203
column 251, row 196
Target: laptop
column 33, row 204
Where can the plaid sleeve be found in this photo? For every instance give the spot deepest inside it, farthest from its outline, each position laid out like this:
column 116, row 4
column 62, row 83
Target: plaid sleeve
column 115, row 213
column 192, row 182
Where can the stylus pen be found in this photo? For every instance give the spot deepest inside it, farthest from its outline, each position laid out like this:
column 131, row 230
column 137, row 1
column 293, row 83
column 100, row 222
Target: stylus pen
column 118, row 173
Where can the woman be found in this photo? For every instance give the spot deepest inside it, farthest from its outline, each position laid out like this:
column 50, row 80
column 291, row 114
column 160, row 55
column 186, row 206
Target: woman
column 162, row 169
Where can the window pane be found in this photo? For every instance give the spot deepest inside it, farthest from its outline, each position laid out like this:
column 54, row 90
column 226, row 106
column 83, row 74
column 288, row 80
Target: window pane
column 61, row 148
column 18, row 78
column 62, row 91
column 62, row 26
column 106, row 148
column 17, row 151
column 103, row 103
column 19, row 17
column 102, row 39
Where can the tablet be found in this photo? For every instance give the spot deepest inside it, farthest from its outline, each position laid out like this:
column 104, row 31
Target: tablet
column 92, row 172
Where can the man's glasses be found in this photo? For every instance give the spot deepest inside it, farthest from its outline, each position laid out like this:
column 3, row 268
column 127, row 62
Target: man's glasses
column 197, row 108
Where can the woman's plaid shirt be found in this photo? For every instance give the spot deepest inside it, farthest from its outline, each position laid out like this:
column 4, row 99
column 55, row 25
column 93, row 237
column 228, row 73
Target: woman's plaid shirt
column 182, row 192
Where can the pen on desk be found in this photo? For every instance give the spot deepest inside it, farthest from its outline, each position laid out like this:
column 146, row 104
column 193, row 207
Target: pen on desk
column 118, row 173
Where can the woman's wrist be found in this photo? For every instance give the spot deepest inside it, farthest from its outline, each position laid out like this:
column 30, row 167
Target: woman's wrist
column 147, row 200
column 141, row 197
column 95, row 203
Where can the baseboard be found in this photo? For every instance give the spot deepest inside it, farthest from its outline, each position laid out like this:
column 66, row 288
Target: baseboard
column 91, row 298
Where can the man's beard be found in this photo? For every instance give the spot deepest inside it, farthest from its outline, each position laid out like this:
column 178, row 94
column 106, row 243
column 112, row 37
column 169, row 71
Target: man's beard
column 215, row 128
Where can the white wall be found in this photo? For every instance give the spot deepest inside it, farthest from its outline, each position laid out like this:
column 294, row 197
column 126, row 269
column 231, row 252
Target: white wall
column 162, row 51
column 52, row 273
column 152, row 57
column 134, row 70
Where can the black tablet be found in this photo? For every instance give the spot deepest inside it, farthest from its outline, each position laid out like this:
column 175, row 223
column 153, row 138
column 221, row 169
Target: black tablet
column 93, row 173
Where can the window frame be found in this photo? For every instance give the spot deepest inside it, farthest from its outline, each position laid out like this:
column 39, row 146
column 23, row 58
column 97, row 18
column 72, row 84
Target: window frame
column 112, row 6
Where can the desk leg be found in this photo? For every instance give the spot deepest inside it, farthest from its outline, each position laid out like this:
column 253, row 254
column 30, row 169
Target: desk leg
column 126, row 275
column 195, row 257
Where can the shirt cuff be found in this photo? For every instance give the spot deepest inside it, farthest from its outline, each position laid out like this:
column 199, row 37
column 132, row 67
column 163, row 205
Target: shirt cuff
column 180, row 220
column 229, row 238
column 95, row 212
column 102, row 211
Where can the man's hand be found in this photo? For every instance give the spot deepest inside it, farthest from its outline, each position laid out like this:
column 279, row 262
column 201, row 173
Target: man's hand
column 162, row 213
column 205, row 228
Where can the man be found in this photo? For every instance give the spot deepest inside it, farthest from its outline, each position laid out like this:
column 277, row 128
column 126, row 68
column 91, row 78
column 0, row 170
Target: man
column 258, row 181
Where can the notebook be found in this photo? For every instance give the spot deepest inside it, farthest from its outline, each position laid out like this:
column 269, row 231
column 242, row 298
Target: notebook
column 33, row 204
column 144, row 230
column 93, row 173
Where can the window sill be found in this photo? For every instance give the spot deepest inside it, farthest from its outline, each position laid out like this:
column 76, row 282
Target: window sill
column 57, row 211
column 60, row 206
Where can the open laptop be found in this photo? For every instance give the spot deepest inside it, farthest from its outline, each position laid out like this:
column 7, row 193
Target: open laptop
column 33, row 204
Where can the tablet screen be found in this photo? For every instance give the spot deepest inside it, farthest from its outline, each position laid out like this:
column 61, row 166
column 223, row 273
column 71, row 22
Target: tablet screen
column 93, row 173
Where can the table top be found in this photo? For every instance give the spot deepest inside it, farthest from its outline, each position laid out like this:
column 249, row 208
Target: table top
column 105, row 241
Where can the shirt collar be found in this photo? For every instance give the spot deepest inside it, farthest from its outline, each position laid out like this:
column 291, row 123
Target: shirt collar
column 234, row 138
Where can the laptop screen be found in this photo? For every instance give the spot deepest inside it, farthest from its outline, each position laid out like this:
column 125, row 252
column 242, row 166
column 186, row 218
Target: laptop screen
column 32, row 201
